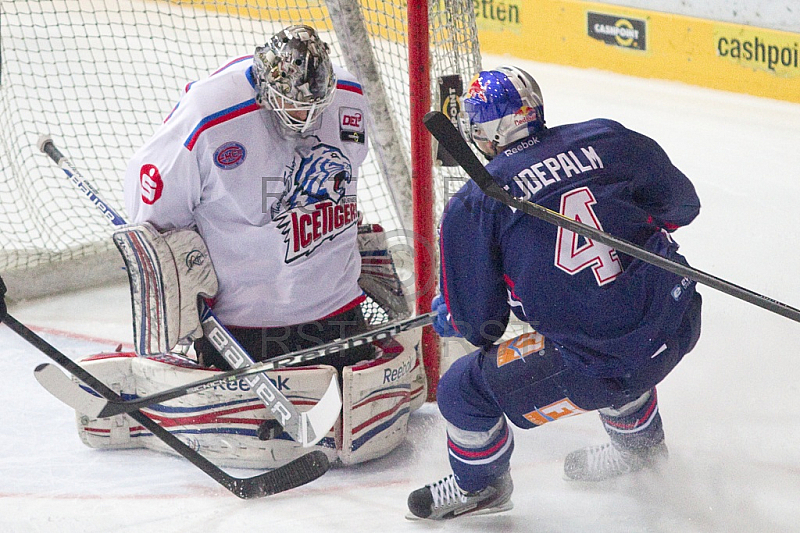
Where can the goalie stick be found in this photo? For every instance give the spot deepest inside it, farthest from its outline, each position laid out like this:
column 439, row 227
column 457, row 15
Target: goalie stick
column 450, row 138
column 72, row 394
column 294, row 474
column 308, row 427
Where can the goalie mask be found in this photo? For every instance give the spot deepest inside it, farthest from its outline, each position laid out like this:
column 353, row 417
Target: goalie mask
column 294, row 76
column 501, row 106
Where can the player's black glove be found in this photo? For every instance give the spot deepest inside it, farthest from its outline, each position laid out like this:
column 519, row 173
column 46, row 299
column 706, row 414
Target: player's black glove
column 2, row 300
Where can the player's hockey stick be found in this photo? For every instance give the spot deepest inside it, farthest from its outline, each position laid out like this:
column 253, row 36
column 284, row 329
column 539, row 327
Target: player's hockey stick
column 308, row 427
column 72, row 394
column 449, row 137
column 298, row 472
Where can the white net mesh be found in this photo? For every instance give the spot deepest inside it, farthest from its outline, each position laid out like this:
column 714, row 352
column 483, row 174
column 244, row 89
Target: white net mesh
column 101, row 75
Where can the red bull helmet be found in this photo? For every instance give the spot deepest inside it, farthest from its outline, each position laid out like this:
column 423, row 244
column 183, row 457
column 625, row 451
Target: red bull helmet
column 499, row 107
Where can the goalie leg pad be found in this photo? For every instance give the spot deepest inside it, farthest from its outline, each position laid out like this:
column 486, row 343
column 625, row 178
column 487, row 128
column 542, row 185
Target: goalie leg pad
column 222, row 423
column 117, row 432
column 167, row 273
column 376, row 399
column 225, row 423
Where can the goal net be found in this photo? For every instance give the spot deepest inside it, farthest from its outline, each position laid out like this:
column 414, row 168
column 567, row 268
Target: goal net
column 100, row 76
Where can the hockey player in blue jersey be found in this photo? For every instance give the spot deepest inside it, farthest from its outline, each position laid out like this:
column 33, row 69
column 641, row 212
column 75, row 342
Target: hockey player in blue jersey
column 606, row 327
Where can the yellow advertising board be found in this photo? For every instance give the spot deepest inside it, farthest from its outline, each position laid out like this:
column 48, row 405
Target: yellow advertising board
column 649, row 44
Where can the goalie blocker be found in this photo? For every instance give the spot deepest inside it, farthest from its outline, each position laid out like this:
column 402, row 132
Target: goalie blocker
column 230, row 426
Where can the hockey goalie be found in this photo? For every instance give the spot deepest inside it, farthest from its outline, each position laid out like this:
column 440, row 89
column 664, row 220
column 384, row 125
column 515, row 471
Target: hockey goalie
column 228, row 423
column 246, row 197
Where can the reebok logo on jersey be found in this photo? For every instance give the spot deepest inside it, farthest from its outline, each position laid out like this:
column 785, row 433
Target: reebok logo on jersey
column 151, row 183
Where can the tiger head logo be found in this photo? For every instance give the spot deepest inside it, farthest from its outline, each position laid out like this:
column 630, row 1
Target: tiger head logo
column 315, row 207
column 320, row 175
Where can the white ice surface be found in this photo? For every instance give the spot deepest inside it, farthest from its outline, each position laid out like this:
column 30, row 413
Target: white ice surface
column 731, row 409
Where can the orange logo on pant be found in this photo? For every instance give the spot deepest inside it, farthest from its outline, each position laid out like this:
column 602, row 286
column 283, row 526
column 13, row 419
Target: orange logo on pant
column 554, row 411
column 519, row 347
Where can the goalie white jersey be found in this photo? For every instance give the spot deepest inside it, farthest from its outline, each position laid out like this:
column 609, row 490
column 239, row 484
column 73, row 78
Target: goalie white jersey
column 278, row 212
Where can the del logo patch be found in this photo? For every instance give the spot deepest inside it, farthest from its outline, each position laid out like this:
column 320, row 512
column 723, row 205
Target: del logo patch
column 230, row 155
column 351, row 125
column 151, row 182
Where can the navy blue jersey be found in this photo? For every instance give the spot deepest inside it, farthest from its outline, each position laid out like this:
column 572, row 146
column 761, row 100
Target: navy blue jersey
column 605, row 311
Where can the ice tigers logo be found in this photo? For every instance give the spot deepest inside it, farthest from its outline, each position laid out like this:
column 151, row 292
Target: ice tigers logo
column 314, row 207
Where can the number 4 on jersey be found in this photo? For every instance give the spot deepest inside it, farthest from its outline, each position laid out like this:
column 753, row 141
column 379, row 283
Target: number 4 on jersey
column 571, row 256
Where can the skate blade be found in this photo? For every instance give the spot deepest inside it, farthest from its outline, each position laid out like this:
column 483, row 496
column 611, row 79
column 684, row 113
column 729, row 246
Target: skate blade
column 489, row 510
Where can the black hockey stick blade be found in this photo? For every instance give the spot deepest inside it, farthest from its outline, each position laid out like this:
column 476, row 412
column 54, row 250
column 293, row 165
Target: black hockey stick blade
column 302, row 470
column 294, row 474
column 105, row 407
column 449, row 137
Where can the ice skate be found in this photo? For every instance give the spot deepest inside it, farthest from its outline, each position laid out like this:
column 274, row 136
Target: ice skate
column 598, row 463
column 445, row 499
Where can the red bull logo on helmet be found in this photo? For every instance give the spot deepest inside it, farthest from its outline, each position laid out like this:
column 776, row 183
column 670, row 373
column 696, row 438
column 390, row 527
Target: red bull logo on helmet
column 525, row 115
column 477, row 90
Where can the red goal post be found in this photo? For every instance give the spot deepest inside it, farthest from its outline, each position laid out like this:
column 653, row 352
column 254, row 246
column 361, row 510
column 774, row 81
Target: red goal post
column 100, row 76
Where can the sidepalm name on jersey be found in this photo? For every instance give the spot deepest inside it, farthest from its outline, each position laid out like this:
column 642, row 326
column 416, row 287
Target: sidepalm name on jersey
column 314, row 208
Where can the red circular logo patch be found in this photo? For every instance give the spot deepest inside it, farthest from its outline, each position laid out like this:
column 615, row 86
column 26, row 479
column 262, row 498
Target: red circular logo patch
column 230, row 155
column 152, row 184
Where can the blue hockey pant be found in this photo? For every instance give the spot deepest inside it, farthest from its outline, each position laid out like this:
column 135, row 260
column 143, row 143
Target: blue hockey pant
column 526, row 381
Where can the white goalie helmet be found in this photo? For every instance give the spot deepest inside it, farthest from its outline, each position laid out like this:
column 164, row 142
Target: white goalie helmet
column 499, row 107
column 294, row 76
